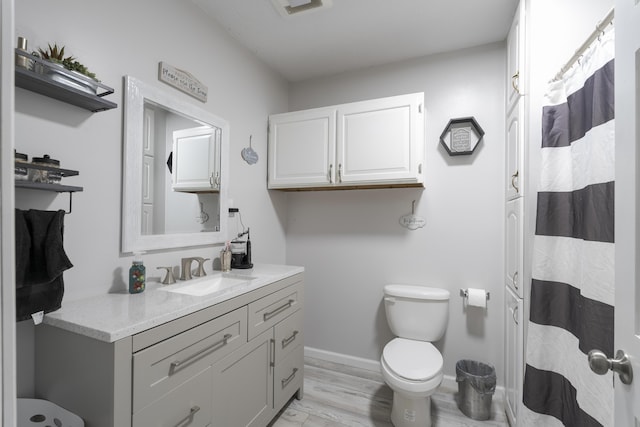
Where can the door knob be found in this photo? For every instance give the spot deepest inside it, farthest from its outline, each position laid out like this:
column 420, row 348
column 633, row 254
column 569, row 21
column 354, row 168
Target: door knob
column 600, row 364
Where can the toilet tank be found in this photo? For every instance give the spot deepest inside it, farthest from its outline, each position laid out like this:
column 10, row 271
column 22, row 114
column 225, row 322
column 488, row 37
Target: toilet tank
column 416, row 312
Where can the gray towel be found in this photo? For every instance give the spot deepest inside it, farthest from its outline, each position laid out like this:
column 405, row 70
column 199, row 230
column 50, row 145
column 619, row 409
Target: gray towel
column 40, row 261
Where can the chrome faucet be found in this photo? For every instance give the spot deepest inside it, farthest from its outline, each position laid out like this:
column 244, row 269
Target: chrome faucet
column 186, row 268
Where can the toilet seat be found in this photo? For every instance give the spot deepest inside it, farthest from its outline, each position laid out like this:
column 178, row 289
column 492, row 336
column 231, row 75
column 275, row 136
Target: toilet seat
column 412, row 360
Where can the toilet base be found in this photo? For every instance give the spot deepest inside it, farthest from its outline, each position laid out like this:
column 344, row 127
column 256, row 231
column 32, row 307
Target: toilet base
column 407, row 412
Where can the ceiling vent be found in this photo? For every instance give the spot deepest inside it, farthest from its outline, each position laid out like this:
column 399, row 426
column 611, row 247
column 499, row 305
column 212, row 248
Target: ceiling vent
column 289, row 8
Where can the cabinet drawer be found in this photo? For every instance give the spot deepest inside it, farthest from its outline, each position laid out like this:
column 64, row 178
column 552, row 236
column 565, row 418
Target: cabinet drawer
column 162, row 367
column 188, row 404
column 288, row 335
column 288, row 376
column 267, row 311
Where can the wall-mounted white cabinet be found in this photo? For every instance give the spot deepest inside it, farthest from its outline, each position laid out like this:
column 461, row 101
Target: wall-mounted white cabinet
column 514, row 260
column 376, row 143
column 190, row 147
column 514, row 364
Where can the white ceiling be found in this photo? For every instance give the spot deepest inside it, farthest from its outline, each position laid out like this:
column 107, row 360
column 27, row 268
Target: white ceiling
column 353, row 34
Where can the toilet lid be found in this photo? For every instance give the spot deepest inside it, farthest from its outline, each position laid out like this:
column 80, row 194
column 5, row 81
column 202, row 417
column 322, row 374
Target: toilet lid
column 413, row 360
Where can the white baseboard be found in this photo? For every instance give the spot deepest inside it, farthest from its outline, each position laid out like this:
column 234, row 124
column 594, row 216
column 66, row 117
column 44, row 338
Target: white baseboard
column 448, row 382
column 343, row 359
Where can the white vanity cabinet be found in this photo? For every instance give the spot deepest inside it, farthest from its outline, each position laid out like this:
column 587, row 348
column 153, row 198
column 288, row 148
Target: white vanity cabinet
column 235, row 363
column 190, row 147
column 375, row 143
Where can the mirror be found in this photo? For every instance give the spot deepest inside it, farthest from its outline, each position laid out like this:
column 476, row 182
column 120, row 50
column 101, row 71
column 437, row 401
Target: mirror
column 174, row 172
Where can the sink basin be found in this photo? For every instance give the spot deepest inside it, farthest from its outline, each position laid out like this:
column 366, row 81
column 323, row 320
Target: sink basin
column 207, row 285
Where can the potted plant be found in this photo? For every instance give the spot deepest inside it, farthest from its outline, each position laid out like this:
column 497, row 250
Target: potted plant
column 55, row 55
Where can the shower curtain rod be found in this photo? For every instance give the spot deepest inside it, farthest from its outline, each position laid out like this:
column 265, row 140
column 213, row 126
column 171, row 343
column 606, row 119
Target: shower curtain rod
column 594, row 35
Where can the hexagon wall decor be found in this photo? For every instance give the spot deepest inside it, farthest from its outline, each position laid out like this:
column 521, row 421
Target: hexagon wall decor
column 461, row 136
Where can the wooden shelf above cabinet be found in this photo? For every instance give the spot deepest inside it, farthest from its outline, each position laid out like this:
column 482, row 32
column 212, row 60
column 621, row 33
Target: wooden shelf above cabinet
column 43, row 84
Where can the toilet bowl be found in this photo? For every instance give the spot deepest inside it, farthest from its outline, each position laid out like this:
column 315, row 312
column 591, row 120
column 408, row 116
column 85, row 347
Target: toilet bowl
column 410, row 364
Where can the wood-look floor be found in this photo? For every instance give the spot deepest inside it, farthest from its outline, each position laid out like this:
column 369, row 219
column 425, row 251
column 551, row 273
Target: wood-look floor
column 340, row 396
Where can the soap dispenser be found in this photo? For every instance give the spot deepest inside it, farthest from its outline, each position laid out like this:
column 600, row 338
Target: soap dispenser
column 137, row 275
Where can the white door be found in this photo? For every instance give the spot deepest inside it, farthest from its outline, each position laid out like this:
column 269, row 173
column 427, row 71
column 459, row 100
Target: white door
column 514, row 152
column 380, row 140
column 515, row 57
column 302, row 148
column 627, row 237
column 514, row 260
column 514, row 349
column 195, row 166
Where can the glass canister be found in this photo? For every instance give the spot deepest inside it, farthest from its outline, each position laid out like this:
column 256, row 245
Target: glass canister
column 45, row 176
column 137, row 274
column 21, row 168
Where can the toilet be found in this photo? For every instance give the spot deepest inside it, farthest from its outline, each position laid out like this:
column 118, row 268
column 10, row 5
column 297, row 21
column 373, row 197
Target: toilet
column 411, row 365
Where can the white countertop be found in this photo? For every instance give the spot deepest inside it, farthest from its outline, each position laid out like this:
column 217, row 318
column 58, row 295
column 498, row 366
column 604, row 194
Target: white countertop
column 110, row 317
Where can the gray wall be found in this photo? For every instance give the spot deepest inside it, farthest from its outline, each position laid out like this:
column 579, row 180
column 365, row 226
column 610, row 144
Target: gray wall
column 115, row 39
column 352, row 244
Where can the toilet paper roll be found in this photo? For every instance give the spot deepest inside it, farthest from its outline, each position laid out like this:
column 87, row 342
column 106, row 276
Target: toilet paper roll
column 477, row 298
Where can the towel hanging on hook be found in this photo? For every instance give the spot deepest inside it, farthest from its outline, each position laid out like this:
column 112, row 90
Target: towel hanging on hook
column 248, row 153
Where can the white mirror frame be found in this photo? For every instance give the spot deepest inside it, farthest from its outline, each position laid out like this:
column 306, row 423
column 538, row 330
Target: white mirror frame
column 136, row 92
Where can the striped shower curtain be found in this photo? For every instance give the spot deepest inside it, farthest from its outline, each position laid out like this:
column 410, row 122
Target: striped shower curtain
column 572, row 287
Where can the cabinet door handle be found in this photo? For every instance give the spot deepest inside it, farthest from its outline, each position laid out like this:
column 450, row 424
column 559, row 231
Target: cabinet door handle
column 287, row 380
column 331, row 173
column 175, row 365
column 515, row 82
column 287, row 341
column 340, row 172
column 514, row 314
column 515, row 280
column 514, row 177
column 192, row 412
column 268, row 315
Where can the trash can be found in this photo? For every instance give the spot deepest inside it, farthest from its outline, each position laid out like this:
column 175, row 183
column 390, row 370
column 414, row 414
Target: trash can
column 39, row 412
column 476, row 385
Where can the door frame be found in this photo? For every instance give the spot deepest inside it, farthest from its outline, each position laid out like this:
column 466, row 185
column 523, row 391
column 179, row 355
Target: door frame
column 7, row 228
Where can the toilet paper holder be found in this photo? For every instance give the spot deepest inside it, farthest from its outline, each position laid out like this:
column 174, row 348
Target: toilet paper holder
column 464, row 293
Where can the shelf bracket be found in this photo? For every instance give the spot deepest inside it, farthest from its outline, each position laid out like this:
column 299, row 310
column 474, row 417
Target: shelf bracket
column 70, row 201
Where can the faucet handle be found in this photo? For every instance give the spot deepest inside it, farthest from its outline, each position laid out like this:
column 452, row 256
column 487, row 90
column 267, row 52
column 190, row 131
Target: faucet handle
column 200, row 272
column 169, row 278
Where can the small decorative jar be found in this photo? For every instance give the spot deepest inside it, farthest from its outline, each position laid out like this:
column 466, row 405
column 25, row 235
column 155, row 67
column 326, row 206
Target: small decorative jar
column 45, row 176
column 137, row 274
column 21, row 168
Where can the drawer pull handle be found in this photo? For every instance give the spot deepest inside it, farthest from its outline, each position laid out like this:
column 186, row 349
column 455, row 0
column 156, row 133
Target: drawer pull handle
column 192, row 412
column 270, row 314
column 287, row 341
column 175, row 365
column 272, row 352
column 287, row 380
